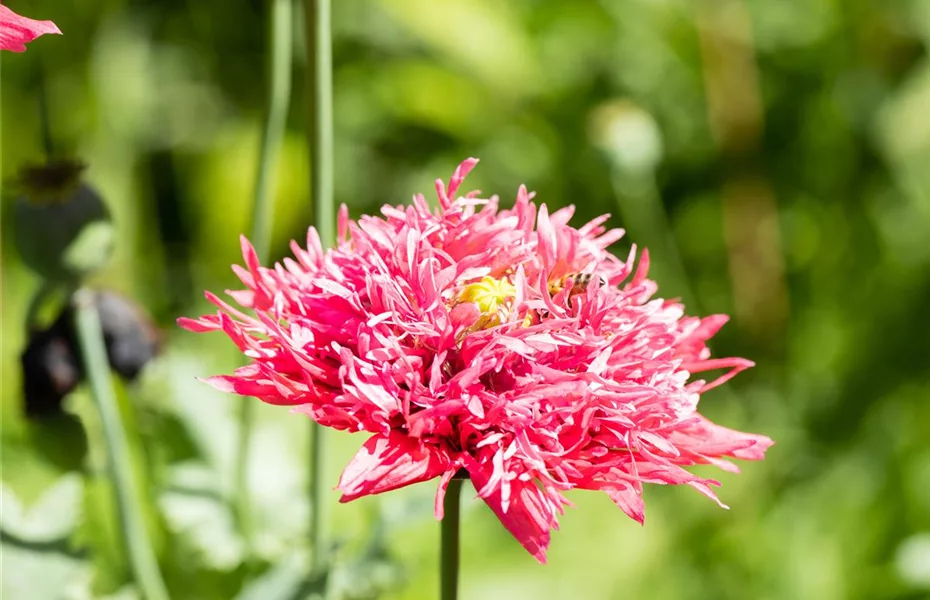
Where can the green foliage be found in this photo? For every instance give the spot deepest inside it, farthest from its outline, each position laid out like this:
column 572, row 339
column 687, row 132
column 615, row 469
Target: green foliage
column 772, row 155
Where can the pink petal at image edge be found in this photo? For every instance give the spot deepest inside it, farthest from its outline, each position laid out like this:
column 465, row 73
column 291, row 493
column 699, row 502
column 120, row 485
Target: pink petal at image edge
column 17, row 31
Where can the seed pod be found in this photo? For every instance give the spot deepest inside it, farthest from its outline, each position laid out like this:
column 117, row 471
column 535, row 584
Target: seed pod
column 51, row 362
column 50, row 371
column 129, row 334
column 62, row 228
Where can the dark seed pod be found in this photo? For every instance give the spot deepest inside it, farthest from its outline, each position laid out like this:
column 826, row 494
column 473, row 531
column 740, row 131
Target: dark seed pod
column 131, row 338
column 61, row 227
column 51, row 362
column 50, row 371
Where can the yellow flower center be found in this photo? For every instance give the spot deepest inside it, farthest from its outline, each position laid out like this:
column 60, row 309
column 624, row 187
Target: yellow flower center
column 489, row 294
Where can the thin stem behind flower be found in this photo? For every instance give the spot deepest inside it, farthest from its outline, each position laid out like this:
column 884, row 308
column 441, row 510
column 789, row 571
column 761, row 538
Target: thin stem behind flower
column 320, row 147
column 48, row 144
column 279, row 92
column 641, row 207
column 320, row 94
column 138, row 545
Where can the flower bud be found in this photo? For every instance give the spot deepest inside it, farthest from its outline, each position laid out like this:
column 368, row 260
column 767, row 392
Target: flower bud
column 62, row 228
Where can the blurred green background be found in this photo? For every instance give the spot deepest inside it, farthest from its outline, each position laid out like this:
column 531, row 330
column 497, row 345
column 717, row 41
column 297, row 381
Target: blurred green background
column 773, row 155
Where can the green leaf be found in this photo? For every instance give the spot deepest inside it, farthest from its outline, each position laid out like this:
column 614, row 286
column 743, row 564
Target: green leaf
column 39, row 561
column 287, row 580
column 193, row 508
column 55, row 515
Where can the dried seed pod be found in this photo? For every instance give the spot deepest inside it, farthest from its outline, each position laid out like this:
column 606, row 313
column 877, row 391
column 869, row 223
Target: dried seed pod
column 62, row 228
column 131, row 338
column 50, row 371
column 51, row 362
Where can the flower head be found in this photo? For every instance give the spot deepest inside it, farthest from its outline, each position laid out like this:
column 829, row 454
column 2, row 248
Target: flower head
column 501, row 342
column 17, row 31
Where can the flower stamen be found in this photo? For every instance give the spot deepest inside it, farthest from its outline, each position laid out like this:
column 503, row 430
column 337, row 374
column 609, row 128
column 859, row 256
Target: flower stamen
column 489, row 294
column 493, row 299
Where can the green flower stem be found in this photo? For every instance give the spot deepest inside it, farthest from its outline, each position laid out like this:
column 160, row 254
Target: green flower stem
column 449, row 552
column 320, row 93
column 279, row 95
column 318, row 513
column 48, row 144
column 279, row 92
column 138, row 545
column 642, row 210
column 644, row 215
column 320, row 146
column 242, row 507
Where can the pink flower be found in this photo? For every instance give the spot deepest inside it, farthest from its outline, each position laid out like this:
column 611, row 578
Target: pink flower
column 17, row 31
column 460, row 341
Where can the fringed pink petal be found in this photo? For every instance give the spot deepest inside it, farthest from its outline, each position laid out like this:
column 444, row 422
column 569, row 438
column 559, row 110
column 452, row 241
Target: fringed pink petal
column 201, row 325
column 735, row 365
column 461, row 172
column 629, row 498
column 389, row 462
column 530, row 516
column 703, row 438
column 16, row 31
